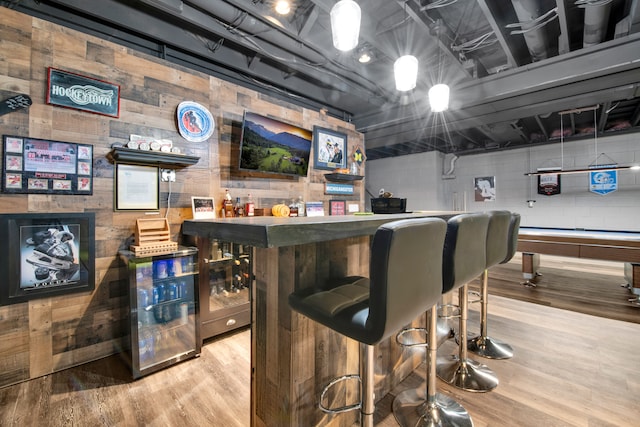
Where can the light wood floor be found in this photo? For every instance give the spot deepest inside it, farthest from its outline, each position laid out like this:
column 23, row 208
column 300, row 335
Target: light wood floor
column 570, row 369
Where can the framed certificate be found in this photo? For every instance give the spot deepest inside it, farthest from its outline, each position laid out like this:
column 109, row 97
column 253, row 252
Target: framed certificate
column 136, row 188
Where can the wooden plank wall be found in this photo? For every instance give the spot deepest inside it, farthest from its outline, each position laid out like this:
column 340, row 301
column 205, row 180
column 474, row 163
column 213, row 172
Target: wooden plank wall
column 51, row 334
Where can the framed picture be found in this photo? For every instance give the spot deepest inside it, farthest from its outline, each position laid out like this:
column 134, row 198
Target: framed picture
column 485, row 188
column 337, row 207
column 71, row 90
column 41, row 166
column 203, row 207
column 46, row 254
column 136, row 188
column 329, row 149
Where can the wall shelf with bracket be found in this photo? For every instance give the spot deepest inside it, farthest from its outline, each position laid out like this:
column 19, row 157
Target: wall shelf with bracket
column 151, row 158
column 342, row 177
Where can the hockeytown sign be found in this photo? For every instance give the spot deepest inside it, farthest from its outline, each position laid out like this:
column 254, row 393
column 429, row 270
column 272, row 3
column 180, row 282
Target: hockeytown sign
column 83, row 93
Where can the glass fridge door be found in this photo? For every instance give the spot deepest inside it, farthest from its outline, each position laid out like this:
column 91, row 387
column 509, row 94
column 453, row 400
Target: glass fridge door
column 163, row 298
column 226, row 280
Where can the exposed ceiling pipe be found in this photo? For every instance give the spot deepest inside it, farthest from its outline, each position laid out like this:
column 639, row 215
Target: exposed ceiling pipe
column 596, row 18
column 277, row 35
column 528, row 12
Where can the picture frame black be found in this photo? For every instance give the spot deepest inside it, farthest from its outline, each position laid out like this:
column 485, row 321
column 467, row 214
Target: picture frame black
column 484, row 189
column 323, row 157
column 43, row 166
column 47, row 254
column 136, row 187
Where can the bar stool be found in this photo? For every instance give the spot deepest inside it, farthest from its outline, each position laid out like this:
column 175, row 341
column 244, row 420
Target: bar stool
column 499, row 235
column 405, row 255
column 464, row 260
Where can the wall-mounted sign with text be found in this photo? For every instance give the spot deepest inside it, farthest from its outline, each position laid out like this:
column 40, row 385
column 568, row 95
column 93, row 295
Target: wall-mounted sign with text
column 333, row 188
column 71, row 90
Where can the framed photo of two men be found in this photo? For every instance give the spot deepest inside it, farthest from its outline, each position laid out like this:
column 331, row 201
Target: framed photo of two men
column 330, row 149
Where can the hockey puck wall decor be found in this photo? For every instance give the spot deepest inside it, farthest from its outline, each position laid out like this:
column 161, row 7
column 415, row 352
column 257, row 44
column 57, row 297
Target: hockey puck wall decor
column 195, row 122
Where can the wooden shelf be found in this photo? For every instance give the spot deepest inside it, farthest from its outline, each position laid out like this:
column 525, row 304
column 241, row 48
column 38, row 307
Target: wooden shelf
column 152, row 158
column 344, row 177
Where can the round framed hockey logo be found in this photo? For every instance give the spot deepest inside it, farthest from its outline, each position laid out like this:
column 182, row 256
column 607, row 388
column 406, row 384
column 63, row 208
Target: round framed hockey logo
column 195, row 122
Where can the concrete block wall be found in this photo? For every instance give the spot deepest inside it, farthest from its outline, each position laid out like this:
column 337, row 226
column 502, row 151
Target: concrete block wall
column 575, row 207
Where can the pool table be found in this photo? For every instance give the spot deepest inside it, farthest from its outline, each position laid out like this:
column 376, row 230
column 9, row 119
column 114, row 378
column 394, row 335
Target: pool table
column 619, row 246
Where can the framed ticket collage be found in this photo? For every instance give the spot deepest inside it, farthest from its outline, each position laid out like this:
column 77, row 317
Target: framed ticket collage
column 40, row 166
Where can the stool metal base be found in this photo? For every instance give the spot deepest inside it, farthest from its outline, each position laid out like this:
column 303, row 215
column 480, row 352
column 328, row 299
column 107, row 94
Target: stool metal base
column 411, row 408
column 490, row 348
column 444, row 331
column 468, row 374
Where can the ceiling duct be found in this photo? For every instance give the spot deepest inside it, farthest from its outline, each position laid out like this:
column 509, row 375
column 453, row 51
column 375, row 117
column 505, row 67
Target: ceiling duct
column 531, row 21
column 596, row 17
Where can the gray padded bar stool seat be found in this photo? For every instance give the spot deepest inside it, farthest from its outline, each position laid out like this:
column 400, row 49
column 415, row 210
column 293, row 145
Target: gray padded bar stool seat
column 502, row 240
column 464, row 260
column 405, row 254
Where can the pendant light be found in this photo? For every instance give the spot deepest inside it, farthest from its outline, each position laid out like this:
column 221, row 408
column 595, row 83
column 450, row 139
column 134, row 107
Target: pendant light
column 345, row 24
column 405, row 71
column 439, row 98
column 439, row 93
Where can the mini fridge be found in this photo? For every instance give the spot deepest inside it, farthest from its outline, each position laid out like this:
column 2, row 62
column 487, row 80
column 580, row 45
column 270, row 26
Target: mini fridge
column 163, row 309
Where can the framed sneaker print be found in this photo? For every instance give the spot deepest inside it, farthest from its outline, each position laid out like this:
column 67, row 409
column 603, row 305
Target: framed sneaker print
column 46, row 255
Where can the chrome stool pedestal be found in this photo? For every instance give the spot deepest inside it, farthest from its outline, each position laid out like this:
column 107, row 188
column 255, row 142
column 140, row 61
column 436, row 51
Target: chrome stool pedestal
column 460, row 371
column 424, row 406
column 484, row 345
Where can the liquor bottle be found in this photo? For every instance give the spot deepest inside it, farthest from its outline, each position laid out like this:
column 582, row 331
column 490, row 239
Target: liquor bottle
column 248, row 208
column 238, row 209
column 293, row 208
column 227, row 205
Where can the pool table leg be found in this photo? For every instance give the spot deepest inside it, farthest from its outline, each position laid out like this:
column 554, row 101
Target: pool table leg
column 632, row 276
column 530, row 264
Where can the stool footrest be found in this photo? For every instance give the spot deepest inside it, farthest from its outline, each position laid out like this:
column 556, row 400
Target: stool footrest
column 475, row 294
column 455, row 314
column 345, row 408
column 402, row 333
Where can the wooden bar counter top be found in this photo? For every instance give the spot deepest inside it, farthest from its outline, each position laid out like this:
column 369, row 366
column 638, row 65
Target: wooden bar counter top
column 292, row 357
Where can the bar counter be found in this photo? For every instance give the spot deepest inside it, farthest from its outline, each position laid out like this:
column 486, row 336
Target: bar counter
column 292, row 357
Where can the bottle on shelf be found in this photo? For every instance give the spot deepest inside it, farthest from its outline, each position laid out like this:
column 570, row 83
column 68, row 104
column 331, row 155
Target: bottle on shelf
column 301, row 206
column 353, row 169
column 248, row 209
column 239, row 209
column 293, row 208
column 227, row 205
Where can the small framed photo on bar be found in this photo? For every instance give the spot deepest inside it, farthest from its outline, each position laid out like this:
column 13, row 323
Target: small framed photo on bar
column 203, row 207
column 337, row 207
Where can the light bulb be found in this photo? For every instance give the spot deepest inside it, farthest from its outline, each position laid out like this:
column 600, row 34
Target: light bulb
column 405, row 70
column 345, row 24
column 283, row 7
column 439, row 98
